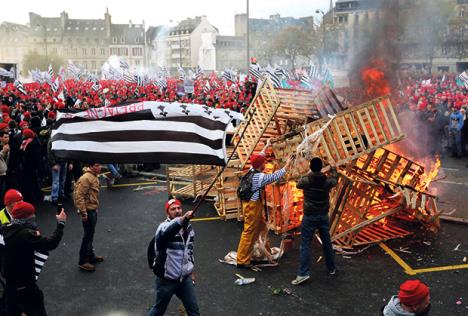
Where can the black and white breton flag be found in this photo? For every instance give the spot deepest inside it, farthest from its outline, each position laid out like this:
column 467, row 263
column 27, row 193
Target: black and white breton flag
column 275, row 80
column 19, row 85
column 40, row 259
column 198, row 72
column 255, row 70
column 464, row 78
column 142, row 132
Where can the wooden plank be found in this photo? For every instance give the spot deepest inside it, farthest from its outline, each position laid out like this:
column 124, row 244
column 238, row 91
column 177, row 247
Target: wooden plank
column 389, row 124
column 372, row 126
column 377, row 118
column 364, row 128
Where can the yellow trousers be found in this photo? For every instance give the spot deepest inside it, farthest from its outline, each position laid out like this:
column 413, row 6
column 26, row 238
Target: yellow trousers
column 254, row 224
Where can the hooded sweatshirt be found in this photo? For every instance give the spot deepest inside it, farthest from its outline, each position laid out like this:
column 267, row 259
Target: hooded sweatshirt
column 393, row 308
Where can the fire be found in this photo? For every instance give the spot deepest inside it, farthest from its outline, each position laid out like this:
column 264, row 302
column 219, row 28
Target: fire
column 427, row 178
column 376, row 83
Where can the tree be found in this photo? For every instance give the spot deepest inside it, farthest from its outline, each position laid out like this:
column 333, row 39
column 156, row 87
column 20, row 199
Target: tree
column 33, row 60
column 292, row 42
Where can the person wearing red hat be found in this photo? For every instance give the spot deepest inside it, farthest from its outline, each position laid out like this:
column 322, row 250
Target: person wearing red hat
column 413, row 299
column 22, row 240
column 4, row 154
column 170, row 256
column 10, row 199
column 86, row 198
column 253, row 206
column 29, row 151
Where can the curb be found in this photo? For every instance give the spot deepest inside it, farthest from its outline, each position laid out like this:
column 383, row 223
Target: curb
column 158, row 176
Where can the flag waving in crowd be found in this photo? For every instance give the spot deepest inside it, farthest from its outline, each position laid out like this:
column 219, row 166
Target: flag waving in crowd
column 144, row 132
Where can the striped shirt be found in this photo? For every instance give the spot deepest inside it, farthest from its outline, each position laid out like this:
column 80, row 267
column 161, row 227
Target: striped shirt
column 260, row 180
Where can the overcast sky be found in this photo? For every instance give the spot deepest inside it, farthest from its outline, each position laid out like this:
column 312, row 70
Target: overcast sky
column 156, row 12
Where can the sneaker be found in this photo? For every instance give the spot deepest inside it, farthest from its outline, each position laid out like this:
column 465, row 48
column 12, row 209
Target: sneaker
column 299, row 279
column 87, row 266
column 98, row 259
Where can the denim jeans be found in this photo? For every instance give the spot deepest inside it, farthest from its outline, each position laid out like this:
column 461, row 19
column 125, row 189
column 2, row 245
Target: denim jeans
column 86, row 249
column 456, row 142
column 58, row 181
column 184, row 290
column 114, row 169
column 309, row 224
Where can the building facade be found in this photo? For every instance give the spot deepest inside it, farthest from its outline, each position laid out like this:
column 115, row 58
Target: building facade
column 87, row 42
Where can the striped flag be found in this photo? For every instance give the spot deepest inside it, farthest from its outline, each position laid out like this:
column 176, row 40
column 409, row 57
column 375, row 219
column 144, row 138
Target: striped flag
column 55, row 85
column 144, row 132
column 95, row 86
column 181, row 72
column 314, row 72
column 19, row 85
column 161, row 83
column 40, row 259
column 464, row 78
column 305, row 81
column 228, row 75
column 124, row 64
column 198, row 72
column 273, row 77
column 50, row 73
column 73, row 69
column 206, row 88
column 139, row 80
column 128, row 78
column 255, row 70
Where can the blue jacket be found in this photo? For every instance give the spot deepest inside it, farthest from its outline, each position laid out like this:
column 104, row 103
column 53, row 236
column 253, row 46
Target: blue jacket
column 456, row 121
column 174, row 249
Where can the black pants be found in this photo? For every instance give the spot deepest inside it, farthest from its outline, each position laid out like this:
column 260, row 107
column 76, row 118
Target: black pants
column 28, row 300
column 86, row 249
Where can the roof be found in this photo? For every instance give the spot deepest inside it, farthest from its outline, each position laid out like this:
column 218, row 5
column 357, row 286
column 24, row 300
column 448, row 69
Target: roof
column 129, row 32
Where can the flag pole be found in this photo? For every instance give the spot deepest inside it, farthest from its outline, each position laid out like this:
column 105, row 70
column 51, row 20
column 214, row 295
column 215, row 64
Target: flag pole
column 224, row 167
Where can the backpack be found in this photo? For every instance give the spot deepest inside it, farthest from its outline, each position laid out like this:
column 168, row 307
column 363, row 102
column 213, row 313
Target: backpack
column 244, row 191
column 151, row 255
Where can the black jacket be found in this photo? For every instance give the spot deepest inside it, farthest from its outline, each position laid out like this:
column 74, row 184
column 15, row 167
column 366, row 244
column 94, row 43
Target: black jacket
column 20, row 244
column 316, row 187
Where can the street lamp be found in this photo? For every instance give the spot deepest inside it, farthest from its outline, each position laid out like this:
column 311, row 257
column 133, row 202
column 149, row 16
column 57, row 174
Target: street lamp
column 322, row 26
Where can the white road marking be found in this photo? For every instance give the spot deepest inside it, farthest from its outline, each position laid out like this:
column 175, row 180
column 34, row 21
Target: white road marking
column 452, row 182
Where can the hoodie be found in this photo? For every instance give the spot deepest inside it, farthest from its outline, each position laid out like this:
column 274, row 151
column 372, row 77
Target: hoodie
column 393, row 308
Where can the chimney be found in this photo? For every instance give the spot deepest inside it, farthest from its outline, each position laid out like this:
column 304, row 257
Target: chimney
column 64, row 19
column 107, row 22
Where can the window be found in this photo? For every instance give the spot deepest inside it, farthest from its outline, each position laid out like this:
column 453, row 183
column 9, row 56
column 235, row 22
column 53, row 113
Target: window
column 137, row 40
column 137, row 62
column 75, row 51
column 93, row 51
column 54, row 50
column 83, row 51
column 65, row 51
column 77, row 28
column 114, row 39
column 122, row 40
column 103, row 51
column 137, row 51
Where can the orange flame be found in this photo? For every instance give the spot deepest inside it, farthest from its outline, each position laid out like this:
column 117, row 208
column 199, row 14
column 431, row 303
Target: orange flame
column 427, row 178
column 376, row 83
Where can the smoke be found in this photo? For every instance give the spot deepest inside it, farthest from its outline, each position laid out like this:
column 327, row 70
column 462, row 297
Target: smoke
column 375, row 50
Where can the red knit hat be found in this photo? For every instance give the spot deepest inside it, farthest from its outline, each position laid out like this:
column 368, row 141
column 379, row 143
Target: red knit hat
column 3, row 125
column 28, row 133
column 257, row 161
column 27, row 114
column 51, row 115
column 23, row 123
column 12, row 196
column 413, row 292
column 171, row 202
column 23, row 210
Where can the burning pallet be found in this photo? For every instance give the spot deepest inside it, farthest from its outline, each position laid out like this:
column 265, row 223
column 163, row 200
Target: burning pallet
column 379, row 190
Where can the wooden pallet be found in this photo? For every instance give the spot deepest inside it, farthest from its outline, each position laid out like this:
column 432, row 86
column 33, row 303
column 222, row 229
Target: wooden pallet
column 354, row 132
column 190, row 181
column 227, row 204
column 388, row 167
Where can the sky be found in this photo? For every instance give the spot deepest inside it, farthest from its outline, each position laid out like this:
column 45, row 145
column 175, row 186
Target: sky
column 220, row 13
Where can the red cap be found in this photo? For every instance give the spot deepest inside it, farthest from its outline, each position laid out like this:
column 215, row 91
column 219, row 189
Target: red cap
column 3, row 125
column 28, row 133
column 12, row 196
column 257, row 160
column 23, row 210
column 171, row 202
column 23, row 123
column 413, row 292
column 51, row 115
column 27, row 114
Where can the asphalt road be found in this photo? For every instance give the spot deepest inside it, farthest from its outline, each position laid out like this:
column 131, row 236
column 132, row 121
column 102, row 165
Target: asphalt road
column 123, row 284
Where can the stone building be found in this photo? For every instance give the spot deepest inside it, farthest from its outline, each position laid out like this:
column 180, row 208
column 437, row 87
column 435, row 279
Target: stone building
column 87, row 42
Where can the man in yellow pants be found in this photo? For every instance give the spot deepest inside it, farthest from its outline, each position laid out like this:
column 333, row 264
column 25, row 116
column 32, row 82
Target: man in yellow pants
column 254, row 222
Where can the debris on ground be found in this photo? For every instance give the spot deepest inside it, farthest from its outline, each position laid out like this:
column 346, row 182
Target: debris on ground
column 457, row 247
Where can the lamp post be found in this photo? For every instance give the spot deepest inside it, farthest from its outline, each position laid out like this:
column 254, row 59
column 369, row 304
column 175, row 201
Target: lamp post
column 322, row 26
column 247, row 35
